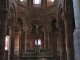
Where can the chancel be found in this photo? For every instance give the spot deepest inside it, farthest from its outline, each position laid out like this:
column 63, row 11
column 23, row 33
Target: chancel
column 37, row 53
column 39, row 29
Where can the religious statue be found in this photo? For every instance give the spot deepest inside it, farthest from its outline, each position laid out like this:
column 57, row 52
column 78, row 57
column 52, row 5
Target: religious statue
column 37, row 23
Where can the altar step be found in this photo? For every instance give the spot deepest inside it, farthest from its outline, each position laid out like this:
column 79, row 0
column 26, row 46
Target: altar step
column 43, row 55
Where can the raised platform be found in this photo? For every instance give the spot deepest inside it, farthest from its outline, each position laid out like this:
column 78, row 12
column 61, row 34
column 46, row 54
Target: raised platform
column 37, row 53
column 32, row 55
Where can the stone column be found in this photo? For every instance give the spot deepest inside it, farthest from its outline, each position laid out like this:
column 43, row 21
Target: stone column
column 44, row 3
column 27, row 40
column 69, row 38
column 23, row 41
column 45, row 39
column 48, row 41
column 51, row 41
column 62, row 41
column 27, row 30
column 30, row 3
column 11, row 43
column 2, row 35
column 54, row 44
column 20, row 43
column 49, row 29
column 76, row 6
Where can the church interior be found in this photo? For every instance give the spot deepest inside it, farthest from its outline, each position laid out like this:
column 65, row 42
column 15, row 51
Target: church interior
column 39, row 29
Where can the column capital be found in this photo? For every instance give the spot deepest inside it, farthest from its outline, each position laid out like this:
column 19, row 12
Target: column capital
column 67, row 19
column 65, row 16
column 44, row 29
column 49, row 28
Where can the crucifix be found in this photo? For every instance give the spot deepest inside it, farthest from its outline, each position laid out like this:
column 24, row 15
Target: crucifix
column 37, row 23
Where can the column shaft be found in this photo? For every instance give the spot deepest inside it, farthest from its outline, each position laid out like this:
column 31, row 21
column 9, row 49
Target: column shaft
column 62, row 44
column 45, row 40
column 48, row 41
column 27, row 40
column 54, row 45
column 11, row 43
column 76, row 5
column 2, row 39
column 69, row 39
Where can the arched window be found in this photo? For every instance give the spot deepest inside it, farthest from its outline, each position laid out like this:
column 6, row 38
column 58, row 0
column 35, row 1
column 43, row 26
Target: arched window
column 38, row 42
column 21, row 0
column 6, row 42
column 37, row 1
column 52, row 0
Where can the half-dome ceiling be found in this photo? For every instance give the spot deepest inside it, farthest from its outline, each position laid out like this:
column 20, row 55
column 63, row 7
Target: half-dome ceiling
column 37, row 3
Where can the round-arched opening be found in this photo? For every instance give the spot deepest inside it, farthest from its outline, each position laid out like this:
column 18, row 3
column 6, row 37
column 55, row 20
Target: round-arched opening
column 38, row 42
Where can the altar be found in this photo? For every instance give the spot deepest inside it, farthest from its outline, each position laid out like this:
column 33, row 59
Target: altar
column 37, row 54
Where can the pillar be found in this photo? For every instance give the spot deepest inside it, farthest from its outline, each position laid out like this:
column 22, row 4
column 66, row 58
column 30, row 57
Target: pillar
column 44, row 3
column 27, row 40
column 51, row 41
column 49, row 29
column 20, row 45
column 62, row 42
column 76, row 6
column 48, row 41
column 45, row 40
column 27, row 30
column 69, row 38
column 2, row 35
column 54, row 44
column 23, row 41
column 11, row 42
column 30, row 4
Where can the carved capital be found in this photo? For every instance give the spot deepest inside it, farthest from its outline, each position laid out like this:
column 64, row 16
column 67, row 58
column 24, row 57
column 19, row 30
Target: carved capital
column 49, row 28
column 66, row 16
column 44, row 29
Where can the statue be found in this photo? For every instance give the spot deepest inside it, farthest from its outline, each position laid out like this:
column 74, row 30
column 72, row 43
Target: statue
column 37, row 23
